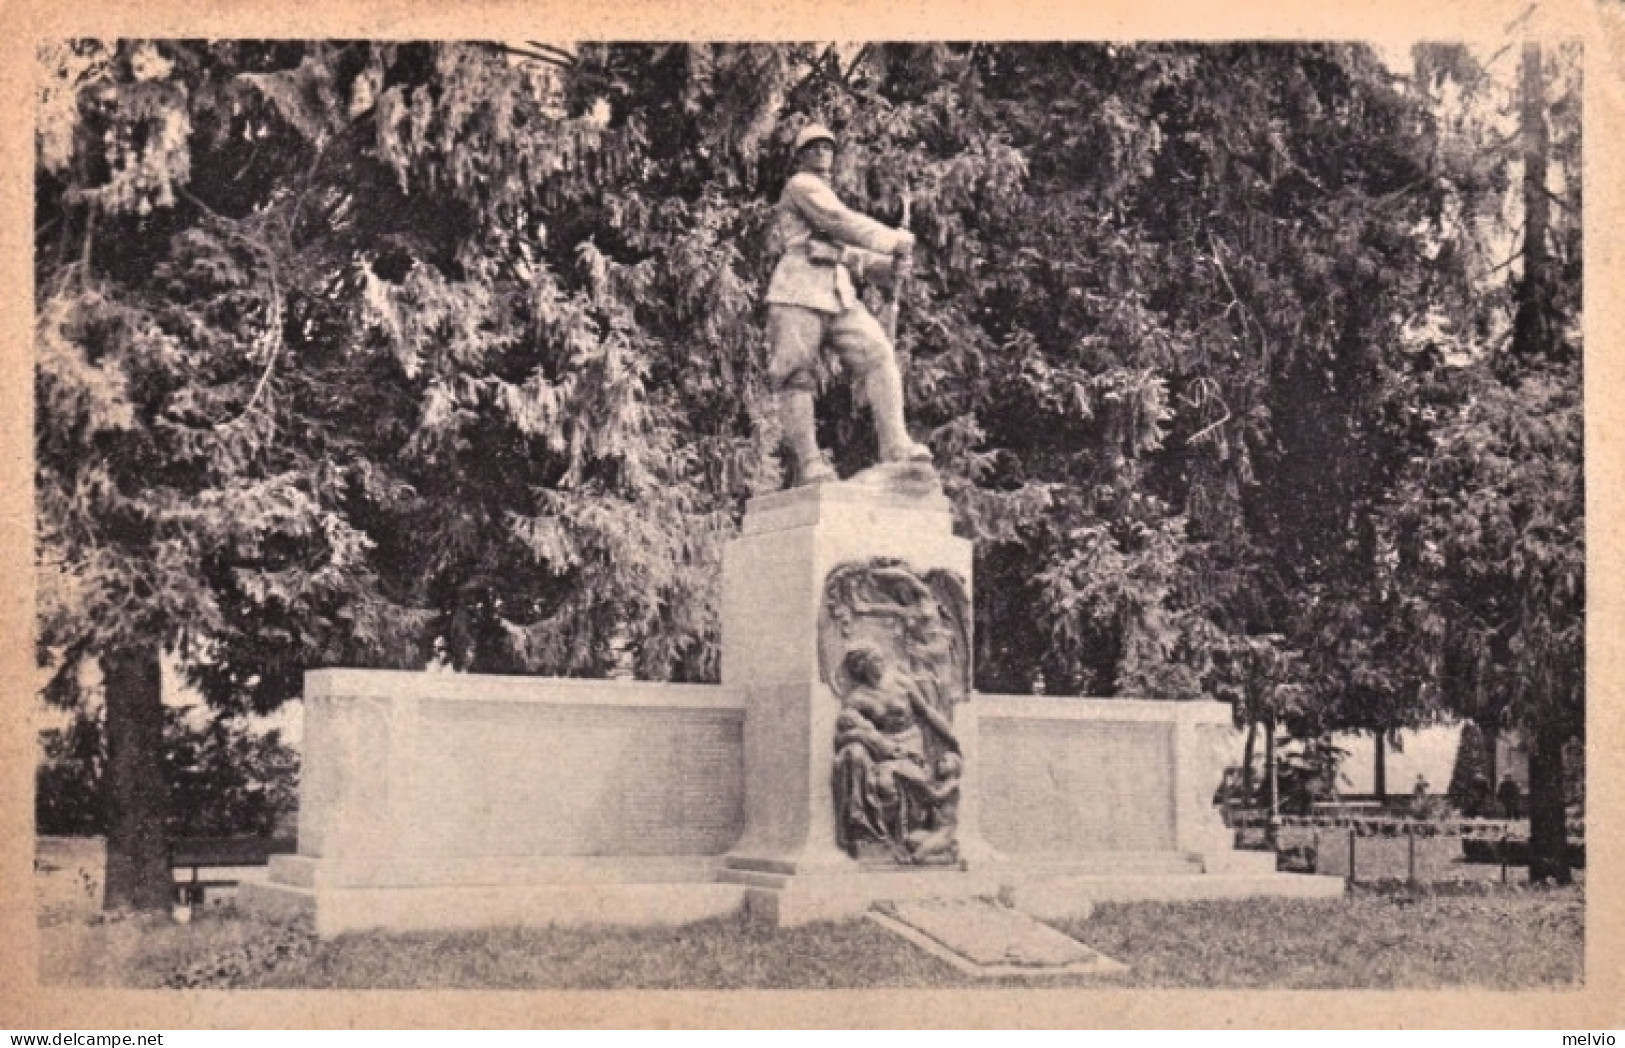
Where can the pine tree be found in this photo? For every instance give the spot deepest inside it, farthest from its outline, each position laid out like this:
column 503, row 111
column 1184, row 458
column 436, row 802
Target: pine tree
column 1492, row 523
column 1471, row 777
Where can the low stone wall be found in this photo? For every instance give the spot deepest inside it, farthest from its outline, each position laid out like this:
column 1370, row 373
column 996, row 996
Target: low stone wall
column 419, row 778
column 451, row 800
column 1069, row 777
column 454, row 778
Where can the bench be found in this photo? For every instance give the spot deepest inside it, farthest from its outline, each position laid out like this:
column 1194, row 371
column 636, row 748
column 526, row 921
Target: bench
column 200, row 864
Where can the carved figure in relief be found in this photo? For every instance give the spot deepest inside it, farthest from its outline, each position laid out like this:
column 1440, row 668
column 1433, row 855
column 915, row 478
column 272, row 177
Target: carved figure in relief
column 921, row 621
column 886, row 788
column 936, row 837
column 894, row 646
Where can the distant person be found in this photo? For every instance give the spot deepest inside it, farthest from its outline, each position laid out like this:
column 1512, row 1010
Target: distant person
column 1478, row 796
column 1510, row 796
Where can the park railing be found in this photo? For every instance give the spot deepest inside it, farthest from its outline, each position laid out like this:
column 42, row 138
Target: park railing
column 1484, row 841
column 1379, row 825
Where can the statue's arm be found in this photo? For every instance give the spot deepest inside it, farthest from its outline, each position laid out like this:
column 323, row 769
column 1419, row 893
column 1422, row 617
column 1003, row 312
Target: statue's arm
column 851, row 726
column 918, row 593
column 918, row 590
column 868, row 265
column 817, row 203
column 868, row 607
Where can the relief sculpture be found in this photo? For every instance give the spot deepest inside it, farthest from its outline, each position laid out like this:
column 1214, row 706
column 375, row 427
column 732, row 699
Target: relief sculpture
column 894, row 646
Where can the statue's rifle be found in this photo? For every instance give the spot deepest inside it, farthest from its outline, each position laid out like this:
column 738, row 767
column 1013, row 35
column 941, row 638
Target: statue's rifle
column 897, row 284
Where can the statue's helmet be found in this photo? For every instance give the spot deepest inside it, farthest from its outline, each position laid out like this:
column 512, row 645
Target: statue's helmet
column 810, row 134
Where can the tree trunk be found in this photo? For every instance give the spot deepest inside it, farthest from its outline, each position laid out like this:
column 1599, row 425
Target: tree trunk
column 1534, row 336
column 1532, row 332
column 138, row 876
column 1269, row 765
column 1379, row 770
column 1548, row 819
column 1247, row 764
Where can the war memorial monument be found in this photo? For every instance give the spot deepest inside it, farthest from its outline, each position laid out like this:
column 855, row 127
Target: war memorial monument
column 844, row 762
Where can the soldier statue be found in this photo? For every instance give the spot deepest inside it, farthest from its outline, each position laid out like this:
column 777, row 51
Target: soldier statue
column 811, row 304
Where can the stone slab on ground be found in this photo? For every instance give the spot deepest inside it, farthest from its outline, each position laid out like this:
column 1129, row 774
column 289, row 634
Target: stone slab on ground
column 987, row 939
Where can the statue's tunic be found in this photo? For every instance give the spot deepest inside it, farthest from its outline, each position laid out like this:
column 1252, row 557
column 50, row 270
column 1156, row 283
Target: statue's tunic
column 811, row 298
column 810, row 217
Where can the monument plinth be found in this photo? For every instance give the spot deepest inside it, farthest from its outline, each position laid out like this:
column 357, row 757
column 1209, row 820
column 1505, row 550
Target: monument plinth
column 846, row 611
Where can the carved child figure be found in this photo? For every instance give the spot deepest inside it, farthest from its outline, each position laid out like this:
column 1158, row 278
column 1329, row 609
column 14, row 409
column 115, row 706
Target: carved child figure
column 939, row 842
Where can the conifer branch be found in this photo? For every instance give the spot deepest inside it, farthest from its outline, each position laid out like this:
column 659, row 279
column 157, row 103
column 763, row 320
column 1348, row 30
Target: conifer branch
column 1198, row 436
column 559, row 53
column 90, row 238
column 1517, row 254
column 271, row 340
column 273, row 346
column 819, row 68
column 536, row 56
column 1559, row 201
column 857, row 60
column 1235, row 296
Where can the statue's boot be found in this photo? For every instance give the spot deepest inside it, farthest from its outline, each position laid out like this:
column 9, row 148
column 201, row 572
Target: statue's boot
column 796, row 419
column 883, row 387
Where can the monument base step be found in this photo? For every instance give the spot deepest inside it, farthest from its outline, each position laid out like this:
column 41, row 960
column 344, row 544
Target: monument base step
column 339, row 910
column 1144, row 864
column 452, row 871
column 1106, row 864
column 788, row 900
column 680, row 890
column 1239, row 862
column 1055, row 898
column 1049, row 887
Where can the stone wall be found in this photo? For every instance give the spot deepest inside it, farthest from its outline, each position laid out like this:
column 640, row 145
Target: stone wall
column 1069, row 786
column 413, row 776
column 418, row 778
column 1064, row 777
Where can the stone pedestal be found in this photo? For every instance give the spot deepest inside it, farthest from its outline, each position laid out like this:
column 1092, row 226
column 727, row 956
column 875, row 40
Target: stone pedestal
column 774, row 576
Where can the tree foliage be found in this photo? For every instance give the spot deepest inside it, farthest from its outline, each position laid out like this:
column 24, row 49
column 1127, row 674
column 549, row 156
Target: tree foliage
column 68, row 780
column 420, row 341
column 227, row 779
column 1490, row 525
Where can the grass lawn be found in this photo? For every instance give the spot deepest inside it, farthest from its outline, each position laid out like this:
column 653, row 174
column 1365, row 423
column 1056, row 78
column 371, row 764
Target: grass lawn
column 1462, row 935
column 1504, row 940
